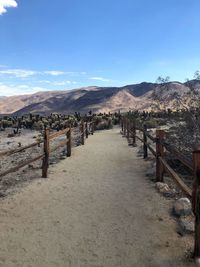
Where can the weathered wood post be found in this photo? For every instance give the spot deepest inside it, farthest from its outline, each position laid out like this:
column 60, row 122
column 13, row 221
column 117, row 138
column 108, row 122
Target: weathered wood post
column 82, row 133
column 93, row 127
column 124, row 126
column 196, row 201
column 134, row 133
column 86, row 130
column 145, row 142
column 45, row 163
column 69, row 143
column 128, row 129
column 160, row 134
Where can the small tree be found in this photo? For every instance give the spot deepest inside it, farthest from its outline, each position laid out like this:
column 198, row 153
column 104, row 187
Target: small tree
column 162, row 87
column 190, row 105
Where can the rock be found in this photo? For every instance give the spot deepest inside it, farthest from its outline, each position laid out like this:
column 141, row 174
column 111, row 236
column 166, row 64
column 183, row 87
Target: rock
column 165, row 190
column 11, row 135
column 182, row 207
column 186, row 226
column 52, row 162
column 162, row 187
column 170, row 194
column 62, row 157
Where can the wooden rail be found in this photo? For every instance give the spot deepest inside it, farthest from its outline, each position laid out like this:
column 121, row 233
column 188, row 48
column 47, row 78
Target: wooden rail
column 17, row 150
column 129, row 130
column 86, row 129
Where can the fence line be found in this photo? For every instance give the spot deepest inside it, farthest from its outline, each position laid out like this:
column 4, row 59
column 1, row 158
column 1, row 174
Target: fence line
column 86, row 129
column 129, row 130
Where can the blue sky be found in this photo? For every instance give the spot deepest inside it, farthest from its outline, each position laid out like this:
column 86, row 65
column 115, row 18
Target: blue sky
column 65, row 44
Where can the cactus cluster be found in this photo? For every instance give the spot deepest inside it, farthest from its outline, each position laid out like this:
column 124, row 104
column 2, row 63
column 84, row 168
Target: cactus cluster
column 37, row 122
column 57, row 121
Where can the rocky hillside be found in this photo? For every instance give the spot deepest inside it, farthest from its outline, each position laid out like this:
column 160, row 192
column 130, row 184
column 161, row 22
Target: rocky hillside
column 99, row 99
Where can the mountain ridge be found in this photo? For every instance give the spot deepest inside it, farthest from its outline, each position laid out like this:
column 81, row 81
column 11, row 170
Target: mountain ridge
column 98, row 99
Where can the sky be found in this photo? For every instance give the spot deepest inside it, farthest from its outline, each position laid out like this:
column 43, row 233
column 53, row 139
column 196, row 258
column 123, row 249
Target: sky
column 66, row 44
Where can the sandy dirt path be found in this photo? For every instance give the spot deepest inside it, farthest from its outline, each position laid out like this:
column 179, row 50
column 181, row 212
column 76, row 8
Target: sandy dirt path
column 96, row 209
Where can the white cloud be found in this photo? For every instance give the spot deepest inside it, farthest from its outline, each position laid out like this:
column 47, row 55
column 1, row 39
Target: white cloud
column 4, row 4
column 55, row 72
column 58, row 83
column 61, row 83
column 45, row 81
column 18, row 73
column 58, row 72
column 100, row 79
column 11, row 90
column 23, row 86
column 24, row 73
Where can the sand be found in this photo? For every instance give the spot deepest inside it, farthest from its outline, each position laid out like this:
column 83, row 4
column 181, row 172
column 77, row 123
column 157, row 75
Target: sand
column 96, row 209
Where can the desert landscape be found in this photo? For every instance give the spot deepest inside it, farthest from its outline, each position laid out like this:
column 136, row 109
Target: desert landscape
column 99, row 133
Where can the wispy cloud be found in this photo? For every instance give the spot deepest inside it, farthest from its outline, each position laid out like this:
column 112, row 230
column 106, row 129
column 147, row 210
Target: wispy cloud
column 24, row 73
column 4, row 4
column 100, row 79
column 58, row 73
column 11, row 90
column 58, row 83
column 18, row 73
column 62, row 83
column 55, row 72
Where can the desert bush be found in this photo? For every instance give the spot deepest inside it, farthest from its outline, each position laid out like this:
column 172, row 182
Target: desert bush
column 97, row 119
column 38, row 125
column 154, row 123
column 104, row 125
column 115, row 120
column 6, row 123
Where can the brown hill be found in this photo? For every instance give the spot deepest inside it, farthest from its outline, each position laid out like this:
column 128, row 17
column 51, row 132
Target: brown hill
column 98, row 99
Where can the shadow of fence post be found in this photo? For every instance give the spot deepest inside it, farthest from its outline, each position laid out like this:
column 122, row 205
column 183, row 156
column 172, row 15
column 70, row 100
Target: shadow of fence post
column 160, row 134
column 45, row 164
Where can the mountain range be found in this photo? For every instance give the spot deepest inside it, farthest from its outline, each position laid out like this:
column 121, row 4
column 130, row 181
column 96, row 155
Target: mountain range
column 141, row 96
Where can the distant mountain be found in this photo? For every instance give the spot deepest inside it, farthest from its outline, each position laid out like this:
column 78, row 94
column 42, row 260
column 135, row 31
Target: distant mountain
column 98, row 99
column 12, row 104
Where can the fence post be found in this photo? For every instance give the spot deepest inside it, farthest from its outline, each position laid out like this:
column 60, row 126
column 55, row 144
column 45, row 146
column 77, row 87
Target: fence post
column 45, row 163
column 86, row 130
column 82, row 133
column 145, row 141
column 128, row 129
column 92, row 124
column 69, row 143
column 124, row 126
column 196, row 201
column 134, row 133
column 160, row 134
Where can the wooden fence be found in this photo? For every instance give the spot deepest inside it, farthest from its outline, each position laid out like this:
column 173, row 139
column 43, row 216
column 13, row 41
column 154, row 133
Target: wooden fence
column 130, row 130
column 85, row 129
